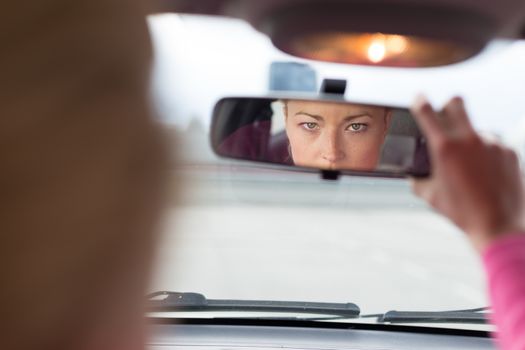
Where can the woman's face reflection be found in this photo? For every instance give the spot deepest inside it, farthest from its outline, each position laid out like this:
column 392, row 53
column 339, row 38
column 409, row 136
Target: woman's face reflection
column 331, row 135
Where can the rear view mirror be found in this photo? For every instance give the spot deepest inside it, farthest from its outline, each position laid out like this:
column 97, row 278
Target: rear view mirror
column 320, row 134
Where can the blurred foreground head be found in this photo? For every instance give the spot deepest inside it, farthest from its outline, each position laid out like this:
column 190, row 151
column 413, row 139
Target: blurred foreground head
column 81, row 174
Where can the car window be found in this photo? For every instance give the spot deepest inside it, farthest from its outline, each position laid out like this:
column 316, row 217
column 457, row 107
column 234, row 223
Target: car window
column 237, row 231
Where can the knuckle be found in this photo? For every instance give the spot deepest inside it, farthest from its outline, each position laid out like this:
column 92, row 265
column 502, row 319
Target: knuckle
column 489, row 139
column 512, row 155
column 446, row 146
column 492, row 146
column 500, row 149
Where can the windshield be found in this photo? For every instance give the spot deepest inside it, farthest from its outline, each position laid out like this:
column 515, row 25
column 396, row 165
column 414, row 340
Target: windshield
column 236, row 231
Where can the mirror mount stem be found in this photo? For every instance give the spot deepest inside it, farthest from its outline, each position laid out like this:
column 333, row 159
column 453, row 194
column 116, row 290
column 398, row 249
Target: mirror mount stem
column 333, row 86
column 330, row 175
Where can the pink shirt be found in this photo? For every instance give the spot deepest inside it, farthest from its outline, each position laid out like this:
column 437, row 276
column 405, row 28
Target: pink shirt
column 504, row 262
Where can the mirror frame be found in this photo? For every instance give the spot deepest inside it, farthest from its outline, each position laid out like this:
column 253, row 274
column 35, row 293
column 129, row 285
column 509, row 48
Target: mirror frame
column 325, row 174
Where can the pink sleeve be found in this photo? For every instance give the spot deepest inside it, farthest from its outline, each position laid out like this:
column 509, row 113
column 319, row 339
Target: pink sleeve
column 504, row 262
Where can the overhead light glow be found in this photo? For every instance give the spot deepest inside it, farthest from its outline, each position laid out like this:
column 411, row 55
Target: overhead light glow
column 396, row 44
column 377, row 50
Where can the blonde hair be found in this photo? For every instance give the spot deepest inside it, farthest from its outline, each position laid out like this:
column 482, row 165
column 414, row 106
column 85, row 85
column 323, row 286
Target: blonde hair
column 81, row 176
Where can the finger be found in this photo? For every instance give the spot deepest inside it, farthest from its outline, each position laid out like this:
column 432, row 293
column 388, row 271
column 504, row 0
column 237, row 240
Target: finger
column 493, row 143
column 456, row 117
column 426, row 190
column 512, row 159
column 420, row 187
column 427, row 119
column 489, row 137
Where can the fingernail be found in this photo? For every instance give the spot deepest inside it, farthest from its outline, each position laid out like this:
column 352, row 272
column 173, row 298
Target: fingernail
column 458, row 100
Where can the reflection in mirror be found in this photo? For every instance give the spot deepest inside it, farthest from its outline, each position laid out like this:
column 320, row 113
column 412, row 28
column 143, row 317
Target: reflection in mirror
column 319, row 134
column 332, row 136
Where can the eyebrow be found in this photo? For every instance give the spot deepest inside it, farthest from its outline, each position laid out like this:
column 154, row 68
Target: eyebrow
column 348, row 118
column 315, row 116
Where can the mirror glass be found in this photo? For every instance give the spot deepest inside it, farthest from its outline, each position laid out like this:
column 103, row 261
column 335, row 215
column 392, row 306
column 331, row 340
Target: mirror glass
column 320, row 134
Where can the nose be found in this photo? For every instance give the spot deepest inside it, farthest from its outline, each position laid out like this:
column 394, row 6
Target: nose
column 332, row 151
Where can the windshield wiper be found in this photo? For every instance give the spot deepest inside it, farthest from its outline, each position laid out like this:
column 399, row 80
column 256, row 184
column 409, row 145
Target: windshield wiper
column 472, row 316
column 469, row 316
column 455, row 316
column 164, row 301
column 174, row 301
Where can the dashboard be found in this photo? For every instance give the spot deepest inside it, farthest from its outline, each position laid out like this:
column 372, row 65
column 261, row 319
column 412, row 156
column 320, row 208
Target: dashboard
column 211, row 334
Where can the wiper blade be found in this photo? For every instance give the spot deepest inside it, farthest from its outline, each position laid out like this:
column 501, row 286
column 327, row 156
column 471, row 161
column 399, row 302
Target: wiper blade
column 174, row 301
column 472, row 316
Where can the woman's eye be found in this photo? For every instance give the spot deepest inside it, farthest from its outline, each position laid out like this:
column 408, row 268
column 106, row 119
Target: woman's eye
column 357, row 127
column 309, row 126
